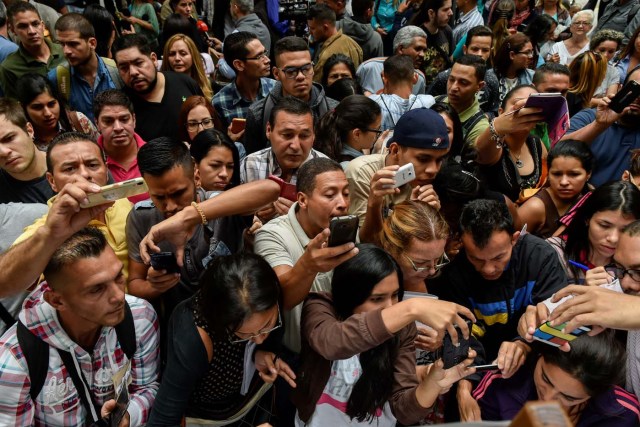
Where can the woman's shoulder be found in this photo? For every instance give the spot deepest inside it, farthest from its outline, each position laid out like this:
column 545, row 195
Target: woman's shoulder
column 614, row 404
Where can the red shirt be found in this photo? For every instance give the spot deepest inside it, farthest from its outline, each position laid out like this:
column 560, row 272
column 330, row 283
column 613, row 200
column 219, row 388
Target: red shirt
column 120, row 173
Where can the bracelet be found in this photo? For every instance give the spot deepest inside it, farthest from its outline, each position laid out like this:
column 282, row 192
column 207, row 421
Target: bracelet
column 199, row 209
column 495, row 136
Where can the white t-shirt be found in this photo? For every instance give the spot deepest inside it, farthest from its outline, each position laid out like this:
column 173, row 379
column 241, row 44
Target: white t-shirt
column 565, row 57
column 332, row 405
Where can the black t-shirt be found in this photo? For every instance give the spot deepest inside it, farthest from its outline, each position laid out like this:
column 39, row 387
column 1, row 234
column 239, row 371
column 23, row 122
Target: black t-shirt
column 438, row 53
column 35, row 191
column 156, row 119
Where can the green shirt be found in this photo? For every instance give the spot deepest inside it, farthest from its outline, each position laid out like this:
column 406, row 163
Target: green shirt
column 472, row 135
column 21, row 62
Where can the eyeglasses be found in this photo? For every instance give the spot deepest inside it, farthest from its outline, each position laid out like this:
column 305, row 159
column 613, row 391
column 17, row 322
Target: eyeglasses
column 581, row 24
column 528, row 53
column 205, row 123
column 260, row 57
column 378, row 132
column 260, row 333
column 619, row 272
column 444, row 260
column 292, row 72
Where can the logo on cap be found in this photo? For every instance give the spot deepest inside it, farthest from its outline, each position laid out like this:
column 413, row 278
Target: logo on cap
column 437, row 141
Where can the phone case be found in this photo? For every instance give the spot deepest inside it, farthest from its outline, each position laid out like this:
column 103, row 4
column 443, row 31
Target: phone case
column 238, row 125
column 343, row 229
column 119, row 190
column 629, row 92
column 404, row 175
column 165, row 261
column 452, row 355
column 556, row 113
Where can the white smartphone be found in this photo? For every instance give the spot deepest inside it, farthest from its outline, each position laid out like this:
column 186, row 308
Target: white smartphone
column 405, row 174
column 119, row 190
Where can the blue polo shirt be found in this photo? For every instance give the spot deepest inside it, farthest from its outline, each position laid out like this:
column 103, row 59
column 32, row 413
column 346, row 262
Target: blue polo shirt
column 81, row 95
column 611, row 148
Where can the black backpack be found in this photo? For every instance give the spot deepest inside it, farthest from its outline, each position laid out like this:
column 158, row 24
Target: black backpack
column 36, row 351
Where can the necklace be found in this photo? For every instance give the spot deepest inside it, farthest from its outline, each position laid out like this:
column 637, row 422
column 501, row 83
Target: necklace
column 519, row 163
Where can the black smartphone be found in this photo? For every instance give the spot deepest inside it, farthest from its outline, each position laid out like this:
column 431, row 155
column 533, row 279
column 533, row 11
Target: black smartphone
column 343, row 229
column 451, row 354
column 485, row 368
column 165, row 261
column 626, row 96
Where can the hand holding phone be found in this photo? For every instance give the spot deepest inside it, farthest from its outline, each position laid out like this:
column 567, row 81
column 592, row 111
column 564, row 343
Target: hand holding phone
column 343, row 229
column 629, row 92
column 113, row 192
column 452, row 354
column 238, row 125
column 165, row 261
column 405, row 174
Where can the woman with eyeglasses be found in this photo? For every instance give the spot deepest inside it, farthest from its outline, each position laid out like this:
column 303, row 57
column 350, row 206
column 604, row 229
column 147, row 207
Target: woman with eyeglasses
column 570, row 164
column 221, row 353
column 511, row 63
column 358, row 360
column 590, row 240
column 563, row 52
column 353, row 126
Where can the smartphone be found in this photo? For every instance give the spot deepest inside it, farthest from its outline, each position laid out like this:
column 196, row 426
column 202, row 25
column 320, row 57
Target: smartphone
column 165, row 261
column 626, row 96
column 237, row 125
column 485, row 368
column 287, row 190
column 343, row 229
column 555, row 110
column 405, row 174
column 451, row 354
column 554, row 336
column 119, row 190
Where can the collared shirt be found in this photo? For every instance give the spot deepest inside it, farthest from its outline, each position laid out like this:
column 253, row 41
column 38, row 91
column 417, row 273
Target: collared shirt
column 394, row 106
column 465, row 22
column 120, row 173
column 21, row 62
column 230, row 104
column 113, row 229
column 7, row 47
column 282, row 241
column 263, row 163
column 81, row 93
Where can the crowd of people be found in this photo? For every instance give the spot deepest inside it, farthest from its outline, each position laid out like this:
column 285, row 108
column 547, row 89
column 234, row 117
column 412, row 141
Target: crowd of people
column 225, row 292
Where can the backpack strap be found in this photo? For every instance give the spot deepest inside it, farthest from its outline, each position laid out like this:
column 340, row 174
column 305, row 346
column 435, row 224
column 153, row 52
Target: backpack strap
column 112, row 68
column 80, row 382
column 126, row 332
column 470, row 124
column 36, row 354
column 5, row 316
column 63, row 78
column 440, row 98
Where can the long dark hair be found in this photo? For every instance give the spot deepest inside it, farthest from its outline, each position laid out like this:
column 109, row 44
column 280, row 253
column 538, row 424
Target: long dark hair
column 233, row 288
column 501, row 58
column 103, row 25
column 594, row 361
column 353, row 112
column 352, row 284
column 538, row 29
column 335, row 59
column 209, row 138
column 620, row 196
column 457, row 145
column 32, row 85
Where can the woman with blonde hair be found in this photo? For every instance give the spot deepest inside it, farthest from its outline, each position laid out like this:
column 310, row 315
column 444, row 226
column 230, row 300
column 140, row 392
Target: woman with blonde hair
column 587, row 72
column 181, row 56
column 415, row 234
column 556, row 10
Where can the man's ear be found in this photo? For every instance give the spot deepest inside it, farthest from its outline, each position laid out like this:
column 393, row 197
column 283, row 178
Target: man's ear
column 626, row 176
column 154, row 59
column 196, row 176
column 52, row 182
column 394, row 152
column 276, row 72
column 93, row 42
column 238, row 64
column 464, row 49
column 515, row 237
column 415, row 77
column 268, row 131
column 481, row 85
column 55, row 300
column 302, row 200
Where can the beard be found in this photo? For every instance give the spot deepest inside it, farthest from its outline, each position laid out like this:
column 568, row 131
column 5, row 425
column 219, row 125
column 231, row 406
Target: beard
column 152, row 85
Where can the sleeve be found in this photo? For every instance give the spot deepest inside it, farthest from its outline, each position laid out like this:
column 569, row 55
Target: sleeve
column 359, row 186
column 581, row 119
column 439, row 85
column 337, row 340
column 270, row 246
column 186, row 364
column 145, row 366
column 364, row 75
column 134, row 235
column 16, row 406
column 153, row 19
column 550, row 275
column 486, row 394
column 404, row 403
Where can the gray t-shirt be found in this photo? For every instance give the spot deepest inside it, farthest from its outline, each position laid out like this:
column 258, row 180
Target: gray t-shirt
column 14, row 217
column 370, row 77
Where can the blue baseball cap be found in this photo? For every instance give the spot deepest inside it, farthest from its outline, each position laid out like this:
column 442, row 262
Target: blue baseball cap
column 421, row 128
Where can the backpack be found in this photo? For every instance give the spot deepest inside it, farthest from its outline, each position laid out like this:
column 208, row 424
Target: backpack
column 470, row 123
column 63, row 77
column 36, row 351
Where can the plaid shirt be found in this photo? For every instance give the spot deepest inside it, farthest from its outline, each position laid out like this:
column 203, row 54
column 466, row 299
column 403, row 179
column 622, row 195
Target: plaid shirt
column 261, row 164
column 229, row 104
column 58, row 403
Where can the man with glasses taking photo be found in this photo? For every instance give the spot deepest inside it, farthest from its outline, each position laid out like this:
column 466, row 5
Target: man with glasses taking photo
column 244, row 52
column 294, row 74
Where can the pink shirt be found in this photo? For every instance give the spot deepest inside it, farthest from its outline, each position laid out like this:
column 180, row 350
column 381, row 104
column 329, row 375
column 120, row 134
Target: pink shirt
column 120, row 173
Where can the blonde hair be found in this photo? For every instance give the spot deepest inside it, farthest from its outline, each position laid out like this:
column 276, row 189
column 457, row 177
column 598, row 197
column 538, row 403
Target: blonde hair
column 559, row 4
column 411, row 220
column 587, row 72
column 196, row 72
